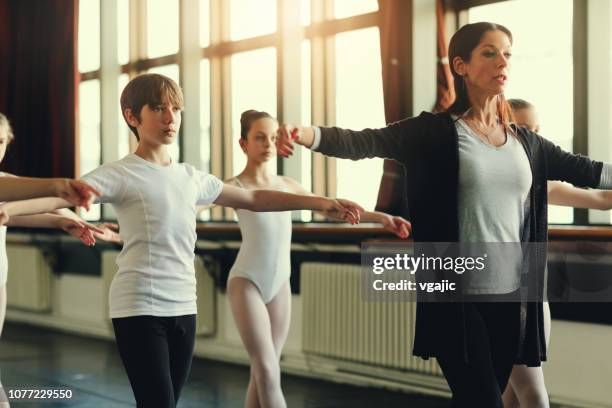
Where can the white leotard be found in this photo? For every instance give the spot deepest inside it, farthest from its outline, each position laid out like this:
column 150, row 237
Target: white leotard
column 264, row 255
column 3, row 256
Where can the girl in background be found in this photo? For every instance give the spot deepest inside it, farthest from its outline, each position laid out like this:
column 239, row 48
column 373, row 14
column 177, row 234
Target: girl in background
column 258, row 284
column 63, row 219
column 526, row 387
column 12, row 187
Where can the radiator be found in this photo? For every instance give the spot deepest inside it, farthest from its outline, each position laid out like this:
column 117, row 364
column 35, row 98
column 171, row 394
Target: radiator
column 205, row 291
column 338, row 323
column 29, row 279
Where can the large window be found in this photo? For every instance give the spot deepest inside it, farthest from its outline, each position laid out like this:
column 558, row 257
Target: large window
column 230, row 56
column 253, row 85
column 542, row 67
column 162, row 27
column 359, row 105
column 250, row 18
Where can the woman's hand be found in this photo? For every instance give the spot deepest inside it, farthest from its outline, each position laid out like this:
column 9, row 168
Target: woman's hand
column 76, row 192
column 342, row 210
column 397, row 225
column 286, row 135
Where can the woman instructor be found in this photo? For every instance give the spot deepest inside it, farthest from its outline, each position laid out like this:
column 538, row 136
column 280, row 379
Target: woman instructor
column 471, row 177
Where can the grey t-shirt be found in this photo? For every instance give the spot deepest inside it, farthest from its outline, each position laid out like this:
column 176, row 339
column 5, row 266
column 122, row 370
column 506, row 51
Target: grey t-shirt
column 494, row 184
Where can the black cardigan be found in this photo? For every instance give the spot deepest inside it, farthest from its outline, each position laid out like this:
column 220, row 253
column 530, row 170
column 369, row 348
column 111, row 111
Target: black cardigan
column 427, row 145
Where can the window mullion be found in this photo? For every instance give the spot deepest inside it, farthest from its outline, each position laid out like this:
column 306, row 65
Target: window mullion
column 189, row 57
column 289, row 56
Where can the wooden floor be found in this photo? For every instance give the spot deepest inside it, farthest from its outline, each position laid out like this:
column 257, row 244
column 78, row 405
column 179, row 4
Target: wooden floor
column 40, row 358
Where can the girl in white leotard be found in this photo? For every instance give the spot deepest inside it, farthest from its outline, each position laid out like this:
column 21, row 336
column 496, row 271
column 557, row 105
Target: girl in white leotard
column 64, row 219
column 258, row 285
column 526, row 387
column 267, row 266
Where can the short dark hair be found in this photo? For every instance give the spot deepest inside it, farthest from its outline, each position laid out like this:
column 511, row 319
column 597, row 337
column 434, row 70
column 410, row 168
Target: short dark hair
column 516, row 104
column 248, row 117
column 151, row 90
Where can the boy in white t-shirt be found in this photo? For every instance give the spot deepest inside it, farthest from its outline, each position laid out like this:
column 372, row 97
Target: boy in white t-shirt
column 153, row 294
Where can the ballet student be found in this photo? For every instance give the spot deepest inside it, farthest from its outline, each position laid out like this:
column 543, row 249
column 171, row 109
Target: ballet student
column 559, row 193
column 153, row 295
column 526, row 387
column 258, row 284
column 63, row 219
column 472, row 177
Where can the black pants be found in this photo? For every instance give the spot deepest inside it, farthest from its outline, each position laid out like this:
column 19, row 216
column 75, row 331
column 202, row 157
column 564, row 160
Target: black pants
column 156, row 353
column 492, row 331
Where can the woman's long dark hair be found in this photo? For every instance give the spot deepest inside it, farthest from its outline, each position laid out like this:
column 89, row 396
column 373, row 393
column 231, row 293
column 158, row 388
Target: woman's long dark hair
column 461, row 45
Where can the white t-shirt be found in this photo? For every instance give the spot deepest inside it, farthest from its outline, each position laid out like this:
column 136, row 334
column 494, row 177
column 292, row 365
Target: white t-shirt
column 155, row 208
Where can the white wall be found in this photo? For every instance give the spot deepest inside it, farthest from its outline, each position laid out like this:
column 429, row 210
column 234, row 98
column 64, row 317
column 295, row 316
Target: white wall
column 578, row 371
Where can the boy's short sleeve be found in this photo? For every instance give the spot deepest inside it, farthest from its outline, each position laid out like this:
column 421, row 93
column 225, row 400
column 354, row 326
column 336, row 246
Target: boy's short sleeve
column 109, row 181
column 209, row 188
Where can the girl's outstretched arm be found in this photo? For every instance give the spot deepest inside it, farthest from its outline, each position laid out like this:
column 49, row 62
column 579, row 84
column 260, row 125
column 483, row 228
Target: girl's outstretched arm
column 34, row 206
column 75, row 192
column 396, row 225
column 567, row 195
column 269, row 200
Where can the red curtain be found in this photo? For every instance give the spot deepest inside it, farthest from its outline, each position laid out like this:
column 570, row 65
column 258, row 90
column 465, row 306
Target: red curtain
column 38, row 77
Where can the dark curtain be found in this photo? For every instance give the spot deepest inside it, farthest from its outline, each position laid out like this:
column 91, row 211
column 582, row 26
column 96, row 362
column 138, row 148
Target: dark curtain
column 395, row 51
column 38, row 74
column 445, row 90
column 395, row 36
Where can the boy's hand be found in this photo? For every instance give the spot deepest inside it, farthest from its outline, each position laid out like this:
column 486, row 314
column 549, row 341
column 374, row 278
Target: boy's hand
column 80, row 229
column 76, row 192
column 108, row 232
column 397, row 225
column 343, row 210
